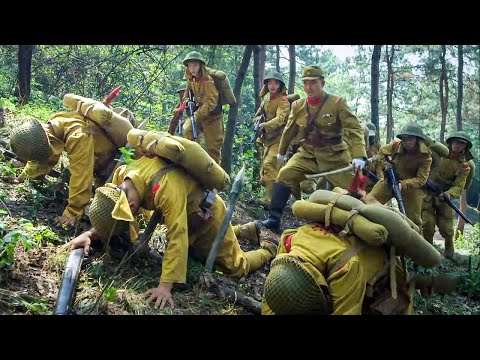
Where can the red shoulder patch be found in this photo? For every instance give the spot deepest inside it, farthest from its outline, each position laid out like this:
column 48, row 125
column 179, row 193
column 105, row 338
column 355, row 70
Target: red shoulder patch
column 155, row 189
column 288, row 243
column 466, row 166
column 285, row 99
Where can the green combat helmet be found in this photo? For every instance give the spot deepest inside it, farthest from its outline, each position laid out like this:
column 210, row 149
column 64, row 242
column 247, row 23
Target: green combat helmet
column 30, row 142
column 372, row 129
column 273, row 75
column 193, row 55
column 462, row 136
column 181, row 87
column 412, row 129
column 290, row 289
column 100, row 212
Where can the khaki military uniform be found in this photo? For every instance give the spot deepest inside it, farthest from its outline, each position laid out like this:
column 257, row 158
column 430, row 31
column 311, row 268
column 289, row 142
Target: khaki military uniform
column 209, row 115
column 413, row 170
column 88, row 150
column 351, row 285
column 323, row 148
column 179, row 197
column 276, row 111
column 451, row 176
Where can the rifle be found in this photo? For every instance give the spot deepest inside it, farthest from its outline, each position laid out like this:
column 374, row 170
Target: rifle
column 392, row 179
column 74, row 264
column 11, row 155
column 191, row 109
column 434, row 188
column 69, row 282
column 256, row 130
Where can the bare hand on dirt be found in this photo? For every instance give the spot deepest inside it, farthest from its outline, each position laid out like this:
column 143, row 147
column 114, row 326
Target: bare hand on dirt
column 163, row 295
column 82, row 240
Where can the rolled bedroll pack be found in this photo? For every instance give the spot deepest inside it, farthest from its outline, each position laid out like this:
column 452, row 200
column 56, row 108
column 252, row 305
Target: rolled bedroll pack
column 115, row 125
column 370, row 232
column 438, row 150
column 402, row 232
column 188, row 154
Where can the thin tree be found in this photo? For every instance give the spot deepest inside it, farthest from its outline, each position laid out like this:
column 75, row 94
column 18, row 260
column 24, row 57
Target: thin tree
column 460, row 87
column 24, row 76
column 277, row 59
column 443, row 93
column 390, row 85
column 233, row 111
column 263, row 60
column 375, row 81
column 292, row 58
column 256, row 75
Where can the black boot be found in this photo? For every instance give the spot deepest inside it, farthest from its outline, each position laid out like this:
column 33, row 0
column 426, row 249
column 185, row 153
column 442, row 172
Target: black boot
column 280, row 196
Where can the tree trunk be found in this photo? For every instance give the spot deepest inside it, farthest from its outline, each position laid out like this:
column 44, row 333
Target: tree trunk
column 443, row 94
column 263, row 60
column 211, row 60
column 24, row 72
column 460, row 87
column 291, row 80
column 390, row 83
column 375, row 72
column 233, row 111
column 257, row 85
column 277, row 62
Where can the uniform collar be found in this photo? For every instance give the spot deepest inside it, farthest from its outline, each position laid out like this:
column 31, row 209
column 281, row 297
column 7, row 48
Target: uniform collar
column 314, row 101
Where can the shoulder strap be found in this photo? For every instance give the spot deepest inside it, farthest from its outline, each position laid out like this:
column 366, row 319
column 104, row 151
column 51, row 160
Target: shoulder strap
column 310, row 118
column 347, row 255
column 158, row 176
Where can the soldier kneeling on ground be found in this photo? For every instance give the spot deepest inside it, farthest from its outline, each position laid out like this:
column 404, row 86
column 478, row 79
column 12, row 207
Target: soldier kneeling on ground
column 157, row 183
column 345, row 260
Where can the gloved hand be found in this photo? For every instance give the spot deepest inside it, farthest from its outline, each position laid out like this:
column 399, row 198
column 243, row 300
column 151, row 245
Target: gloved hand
column 444, row 195
column 358, row 162
column 281, row 159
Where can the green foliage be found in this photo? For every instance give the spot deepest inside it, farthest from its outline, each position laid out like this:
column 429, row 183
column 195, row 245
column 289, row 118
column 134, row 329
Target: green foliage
column 110, row 294
column 7, row 169
column 470, row 241
column 150, row 75
column 127, row 155
column 27, row 235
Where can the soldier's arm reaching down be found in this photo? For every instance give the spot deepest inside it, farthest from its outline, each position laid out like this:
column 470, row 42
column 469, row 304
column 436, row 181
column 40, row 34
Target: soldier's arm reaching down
column 210, row 100
column 356, row 134
column 421, row 178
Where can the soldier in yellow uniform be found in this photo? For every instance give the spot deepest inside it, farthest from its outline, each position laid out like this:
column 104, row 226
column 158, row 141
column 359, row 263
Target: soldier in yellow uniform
column 151, row 183
column 412, row 160
column 275, row 108
column 320, row 119
column 318, row 271
column 209, row 115
column 89, row 150
column 451, row 177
